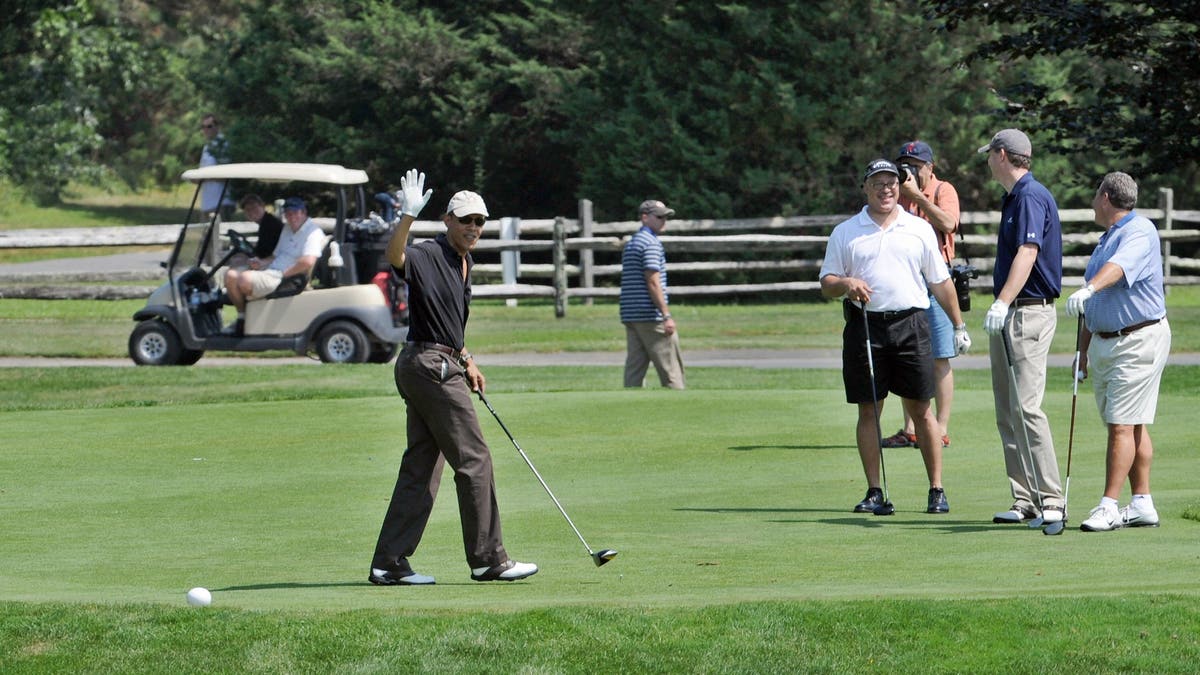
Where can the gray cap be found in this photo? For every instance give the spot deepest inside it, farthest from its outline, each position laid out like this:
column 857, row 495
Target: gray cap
column 655, row 207
column 1010, row 140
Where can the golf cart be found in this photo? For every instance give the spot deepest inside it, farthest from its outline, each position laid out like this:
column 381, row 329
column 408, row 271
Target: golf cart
column 351, row 309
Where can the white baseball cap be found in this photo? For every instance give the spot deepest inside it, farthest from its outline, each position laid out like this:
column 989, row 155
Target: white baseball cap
column 465, row 202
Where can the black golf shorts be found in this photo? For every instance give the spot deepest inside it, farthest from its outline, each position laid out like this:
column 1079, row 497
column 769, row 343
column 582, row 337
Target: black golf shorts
column 903, row 357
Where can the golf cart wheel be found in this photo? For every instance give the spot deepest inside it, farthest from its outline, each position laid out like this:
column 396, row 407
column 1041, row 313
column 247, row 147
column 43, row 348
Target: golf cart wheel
column 188, row 357
column 383, row 352
column 342, row 342
column 155, row 343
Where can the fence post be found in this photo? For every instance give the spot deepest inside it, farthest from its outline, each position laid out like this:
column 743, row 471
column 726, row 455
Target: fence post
column 1166, row 202
column 560, row 267
column 586, row 257
column 510, row 261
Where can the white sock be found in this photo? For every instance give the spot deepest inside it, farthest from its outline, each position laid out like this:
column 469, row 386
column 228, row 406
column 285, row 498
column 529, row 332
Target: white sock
column 1108, row 501
column 1142, row 502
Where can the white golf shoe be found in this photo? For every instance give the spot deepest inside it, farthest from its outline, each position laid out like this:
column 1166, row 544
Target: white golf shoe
column 509, row 570
column 1103, row 518
column 1052, row 514
column 1134, row 516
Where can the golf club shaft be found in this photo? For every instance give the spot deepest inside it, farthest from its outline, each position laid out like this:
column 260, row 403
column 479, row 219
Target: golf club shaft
column 1031, row 471
column 875, row 401
column 535, row 471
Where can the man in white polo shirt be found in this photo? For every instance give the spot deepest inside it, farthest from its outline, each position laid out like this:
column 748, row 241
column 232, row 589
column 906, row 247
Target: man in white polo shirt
column 297, row 251
column 887, row 260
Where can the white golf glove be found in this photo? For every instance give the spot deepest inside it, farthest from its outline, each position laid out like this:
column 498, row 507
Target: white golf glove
column 993, row 323
column 1075, row 303
column 962, row 341
column 413, row 195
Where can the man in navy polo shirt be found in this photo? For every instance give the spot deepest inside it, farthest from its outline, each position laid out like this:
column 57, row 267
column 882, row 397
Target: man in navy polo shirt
column 1026, row 280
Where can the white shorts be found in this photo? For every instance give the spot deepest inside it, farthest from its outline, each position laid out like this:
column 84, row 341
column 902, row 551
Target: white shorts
column 264, row 282
column 1126, row 372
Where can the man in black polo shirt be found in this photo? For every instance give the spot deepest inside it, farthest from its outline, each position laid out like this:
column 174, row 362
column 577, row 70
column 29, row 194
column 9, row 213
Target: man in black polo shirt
column 435, row 376
column 888, row 261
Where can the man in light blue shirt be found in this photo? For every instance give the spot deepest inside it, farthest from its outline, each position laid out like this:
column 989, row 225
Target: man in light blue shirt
column 1125, row 338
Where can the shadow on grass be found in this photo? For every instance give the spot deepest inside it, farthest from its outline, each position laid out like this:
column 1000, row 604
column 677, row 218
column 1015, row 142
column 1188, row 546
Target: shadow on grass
column 934, row 522
column 290, row 584
column 747, row 448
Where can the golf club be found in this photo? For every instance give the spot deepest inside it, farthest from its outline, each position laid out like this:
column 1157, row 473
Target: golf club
column 1057, row 528
column 599, row 557
column 886, row 508
column 1012, row 383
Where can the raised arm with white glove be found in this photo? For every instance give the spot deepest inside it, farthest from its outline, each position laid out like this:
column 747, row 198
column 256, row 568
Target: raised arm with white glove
column 413, row 195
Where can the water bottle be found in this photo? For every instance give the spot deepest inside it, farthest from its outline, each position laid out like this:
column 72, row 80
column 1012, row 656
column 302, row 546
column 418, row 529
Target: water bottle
column 194, row 301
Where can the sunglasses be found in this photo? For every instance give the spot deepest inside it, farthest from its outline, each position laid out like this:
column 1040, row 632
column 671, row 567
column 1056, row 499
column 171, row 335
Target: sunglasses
column 478, row 221
column 208, row 126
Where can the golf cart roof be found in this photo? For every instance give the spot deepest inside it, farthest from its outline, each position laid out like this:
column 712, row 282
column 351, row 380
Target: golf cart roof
column 281, row 172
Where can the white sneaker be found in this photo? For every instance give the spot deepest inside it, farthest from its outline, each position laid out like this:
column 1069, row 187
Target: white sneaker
column 509, row 570
column 381, row 577
column 1052, row 514
column 1102, row 519
column 1133, row 516
column 1014, row 515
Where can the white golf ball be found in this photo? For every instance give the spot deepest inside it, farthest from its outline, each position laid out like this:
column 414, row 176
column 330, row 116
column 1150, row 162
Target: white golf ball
column 199, row 597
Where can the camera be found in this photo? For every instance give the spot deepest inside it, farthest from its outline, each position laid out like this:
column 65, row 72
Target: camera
column 962, row 275
column 906, row 171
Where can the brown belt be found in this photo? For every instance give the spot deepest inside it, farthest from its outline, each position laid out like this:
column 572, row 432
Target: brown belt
column 437, row 347
column 1032, row 302
column 1127, row 329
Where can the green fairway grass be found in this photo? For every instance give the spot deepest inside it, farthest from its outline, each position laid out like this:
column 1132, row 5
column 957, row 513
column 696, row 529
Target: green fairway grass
column 729, row 503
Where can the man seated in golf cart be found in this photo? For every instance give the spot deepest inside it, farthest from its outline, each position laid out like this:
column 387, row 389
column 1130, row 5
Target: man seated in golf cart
column 296, row 253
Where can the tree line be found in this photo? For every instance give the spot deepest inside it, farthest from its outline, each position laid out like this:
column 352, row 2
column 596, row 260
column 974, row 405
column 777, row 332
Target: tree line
column 733, row 109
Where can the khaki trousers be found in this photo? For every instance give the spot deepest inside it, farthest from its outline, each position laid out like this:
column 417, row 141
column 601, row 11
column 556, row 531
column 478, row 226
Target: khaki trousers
column 442, row 428
column 647, row 342
column 1030, row 331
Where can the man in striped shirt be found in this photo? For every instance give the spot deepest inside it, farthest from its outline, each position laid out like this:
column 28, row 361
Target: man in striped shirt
column 650, row 332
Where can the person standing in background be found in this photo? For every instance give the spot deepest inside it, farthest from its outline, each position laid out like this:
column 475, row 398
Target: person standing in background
column 215, row 151
column 936, row 201
column 651, row 335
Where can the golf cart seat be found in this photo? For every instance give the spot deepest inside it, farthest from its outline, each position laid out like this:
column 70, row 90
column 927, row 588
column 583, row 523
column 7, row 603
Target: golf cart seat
column 294, row 284
column 288, row 286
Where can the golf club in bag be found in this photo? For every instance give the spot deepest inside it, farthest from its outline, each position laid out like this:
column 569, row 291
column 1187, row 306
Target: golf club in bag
column 1057, row 528
column 886, row 508
column 599, row 557
column 1012, row 383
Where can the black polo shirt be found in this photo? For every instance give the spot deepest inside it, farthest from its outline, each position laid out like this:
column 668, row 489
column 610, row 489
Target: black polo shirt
column 269, row 229
column 439, row 299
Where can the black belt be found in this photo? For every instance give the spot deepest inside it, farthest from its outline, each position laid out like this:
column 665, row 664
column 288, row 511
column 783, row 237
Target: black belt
column 1032, row 302
column 895, row 315
column 1127, row 329
column 437, row 347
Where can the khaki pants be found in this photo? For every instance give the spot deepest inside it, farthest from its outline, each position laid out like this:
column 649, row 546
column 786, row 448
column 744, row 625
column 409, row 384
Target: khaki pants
column 646, row 342
column 442, row 428
column 1030, row 330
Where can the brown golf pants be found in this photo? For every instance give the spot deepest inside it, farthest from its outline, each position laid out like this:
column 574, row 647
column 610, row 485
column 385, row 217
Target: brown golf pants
column 442, row 427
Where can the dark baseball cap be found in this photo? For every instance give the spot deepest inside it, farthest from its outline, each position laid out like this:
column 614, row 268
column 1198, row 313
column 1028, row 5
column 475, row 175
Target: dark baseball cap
column 880, row 166
column 294, row 204
column 916, row 150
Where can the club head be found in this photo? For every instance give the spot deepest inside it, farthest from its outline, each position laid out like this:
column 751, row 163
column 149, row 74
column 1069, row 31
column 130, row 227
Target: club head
column 604, row 555
column 1036, row 523
column 1055, row 528
column 884, row 509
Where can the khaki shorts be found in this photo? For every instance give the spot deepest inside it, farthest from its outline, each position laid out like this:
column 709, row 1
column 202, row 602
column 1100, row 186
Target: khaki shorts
column 1126, row 372
column 263, row 282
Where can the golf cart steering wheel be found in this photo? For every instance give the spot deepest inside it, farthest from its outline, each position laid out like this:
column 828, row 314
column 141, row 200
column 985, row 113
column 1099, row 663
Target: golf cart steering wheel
column 238, row 242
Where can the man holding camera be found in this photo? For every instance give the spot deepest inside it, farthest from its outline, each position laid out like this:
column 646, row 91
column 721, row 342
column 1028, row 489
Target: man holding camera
column 936, row 201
